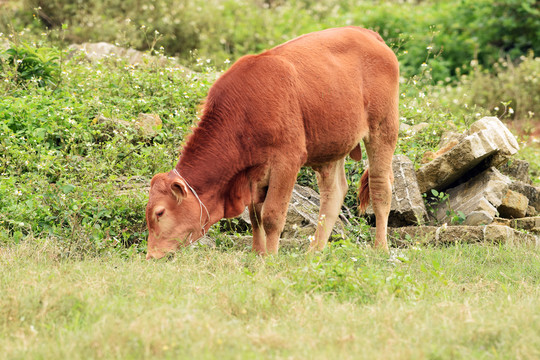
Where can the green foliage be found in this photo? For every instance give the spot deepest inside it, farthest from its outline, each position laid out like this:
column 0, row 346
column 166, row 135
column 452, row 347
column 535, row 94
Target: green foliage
column 459, row 31
column 68, row 146
column 23, row 63
column 63, row 168
column 507, row 90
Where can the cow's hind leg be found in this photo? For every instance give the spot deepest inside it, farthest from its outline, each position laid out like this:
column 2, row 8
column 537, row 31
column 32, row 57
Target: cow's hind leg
column 259, row 238
column 380, row 150
column 333, row 188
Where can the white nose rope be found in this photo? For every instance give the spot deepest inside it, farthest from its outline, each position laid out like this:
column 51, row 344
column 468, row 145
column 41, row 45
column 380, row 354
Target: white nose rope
column 201, row 204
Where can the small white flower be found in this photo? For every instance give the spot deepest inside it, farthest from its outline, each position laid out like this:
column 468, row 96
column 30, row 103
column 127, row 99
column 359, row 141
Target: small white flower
column 510, row 110
column 227, row 61
column 429, row 48
column 478, row 114
column 311, row 238
column 422, row 95
column 18, row 192
column 354, row 259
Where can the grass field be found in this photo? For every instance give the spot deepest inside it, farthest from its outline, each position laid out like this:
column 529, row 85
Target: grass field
column 464, row 301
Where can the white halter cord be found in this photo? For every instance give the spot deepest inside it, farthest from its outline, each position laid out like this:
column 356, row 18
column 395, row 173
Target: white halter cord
column 201, row 204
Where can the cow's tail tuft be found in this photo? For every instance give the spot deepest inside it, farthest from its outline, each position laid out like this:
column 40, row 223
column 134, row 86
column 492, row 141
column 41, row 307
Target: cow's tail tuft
column 363, row 192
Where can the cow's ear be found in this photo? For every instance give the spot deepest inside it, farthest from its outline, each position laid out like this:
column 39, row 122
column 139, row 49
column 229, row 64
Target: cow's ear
column 179, row 189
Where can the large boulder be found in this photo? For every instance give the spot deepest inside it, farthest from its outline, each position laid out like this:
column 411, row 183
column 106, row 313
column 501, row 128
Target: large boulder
column 407, row 203
column 477, row 199
column 489, row 145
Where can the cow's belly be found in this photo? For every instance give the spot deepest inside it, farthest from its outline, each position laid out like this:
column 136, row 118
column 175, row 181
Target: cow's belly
column 334, row 140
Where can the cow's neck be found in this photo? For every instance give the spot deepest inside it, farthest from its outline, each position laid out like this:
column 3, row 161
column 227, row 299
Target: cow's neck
column 211, row 162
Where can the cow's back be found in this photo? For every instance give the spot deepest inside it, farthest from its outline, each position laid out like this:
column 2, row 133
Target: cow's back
column 311, row 95
column 342, row 75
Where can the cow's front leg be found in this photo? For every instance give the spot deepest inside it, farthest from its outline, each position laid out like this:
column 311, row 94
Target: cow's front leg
column 333, row 188
column 274, row 210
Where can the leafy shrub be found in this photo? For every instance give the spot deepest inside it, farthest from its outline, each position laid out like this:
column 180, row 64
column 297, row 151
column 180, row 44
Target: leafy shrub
column 458, row 31
column 510, row 91
column 30, row 63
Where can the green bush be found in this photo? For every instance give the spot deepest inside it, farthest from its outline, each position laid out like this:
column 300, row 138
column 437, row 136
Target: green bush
column 456, row 32
column 23, row 63
column 511, row 91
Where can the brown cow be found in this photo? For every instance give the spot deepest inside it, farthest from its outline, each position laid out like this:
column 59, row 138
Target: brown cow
column 310, row 102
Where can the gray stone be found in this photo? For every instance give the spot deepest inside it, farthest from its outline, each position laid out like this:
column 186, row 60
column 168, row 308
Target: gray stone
column 407, row 203
column 516, row 169
column 486, row 147
column 404, row 128
column 478, row 199
column 501, row 221
column 449, row 137
column 98, row 51
column 419, row 127
column 481, row 217
column 411, row 235
column 514, row 205
column 531, row 192
column 148, row 124
column 529, row 223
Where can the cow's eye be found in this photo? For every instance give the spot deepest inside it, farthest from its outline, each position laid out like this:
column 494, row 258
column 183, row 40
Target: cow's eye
column 160, row 212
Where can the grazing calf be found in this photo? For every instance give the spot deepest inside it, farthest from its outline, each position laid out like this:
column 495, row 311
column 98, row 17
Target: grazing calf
column 309, row 102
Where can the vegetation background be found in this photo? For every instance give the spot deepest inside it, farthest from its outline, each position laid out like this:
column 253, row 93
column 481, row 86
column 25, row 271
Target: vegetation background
column 72, row 188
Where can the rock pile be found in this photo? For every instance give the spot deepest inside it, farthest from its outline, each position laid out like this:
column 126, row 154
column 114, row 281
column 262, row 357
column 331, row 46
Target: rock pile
column 482, row 186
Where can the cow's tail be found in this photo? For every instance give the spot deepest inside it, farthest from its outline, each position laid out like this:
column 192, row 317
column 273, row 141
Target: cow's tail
column 363, row 192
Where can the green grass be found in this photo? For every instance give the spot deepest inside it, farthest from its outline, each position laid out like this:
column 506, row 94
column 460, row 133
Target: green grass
column 465, row 301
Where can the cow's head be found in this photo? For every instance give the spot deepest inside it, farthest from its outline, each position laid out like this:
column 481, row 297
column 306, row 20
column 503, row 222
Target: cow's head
column 173, row 215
